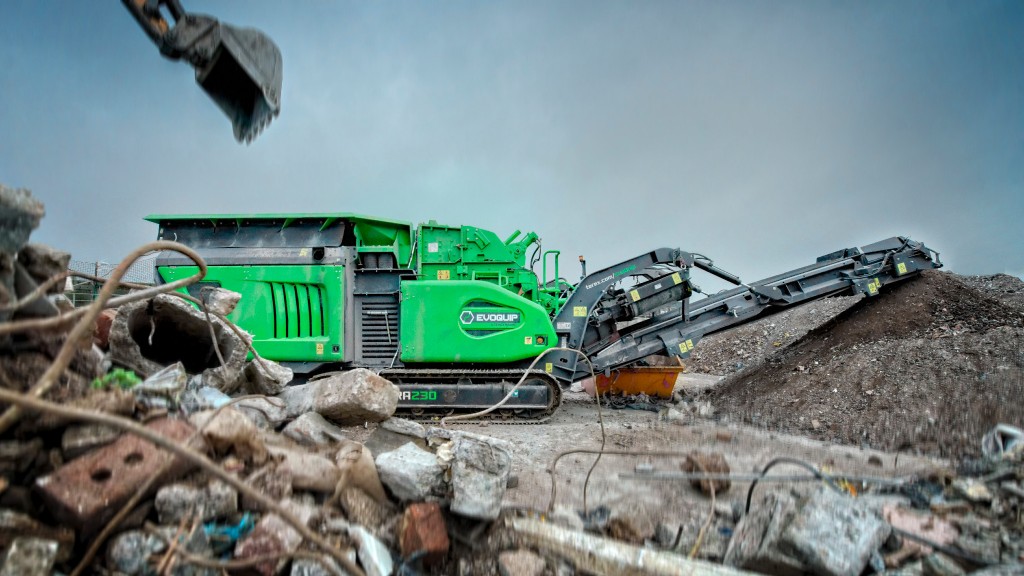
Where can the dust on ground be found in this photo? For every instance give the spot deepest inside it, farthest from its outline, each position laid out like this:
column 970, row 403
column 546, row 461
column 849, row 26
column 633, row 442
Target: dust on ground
column 649, row 502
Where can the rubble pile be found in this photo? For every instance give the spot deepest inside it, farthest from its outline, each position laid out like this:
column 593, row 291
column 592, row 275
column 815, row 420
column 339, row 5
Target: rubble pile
column 918, row 525
column 929, row 367
column 25, row 268
column 248, row 475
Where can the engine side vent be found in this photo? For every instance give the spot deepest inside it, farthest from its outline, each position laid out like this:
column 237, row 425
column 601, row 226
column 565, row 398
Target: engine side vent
column 298, row 310
column 378, row 335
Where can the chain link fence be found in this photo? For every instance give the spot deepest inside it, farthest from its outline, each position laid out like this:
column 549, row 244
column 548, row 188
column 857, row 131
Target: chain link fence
column 82, row 292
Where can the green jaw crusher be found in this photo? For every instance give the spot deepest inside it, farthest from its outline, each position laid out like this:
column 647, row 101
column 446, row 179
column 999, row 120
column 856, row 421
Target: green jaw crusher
column 455, row 316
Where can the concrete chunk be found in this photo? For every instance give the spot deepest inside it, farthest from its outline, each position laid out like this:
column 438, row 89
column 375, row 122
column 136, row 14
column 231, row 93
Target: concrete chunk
column 606, row 557
column 17, row 456
column 360, row 508
column 480, row 472
column 266, row 413
column 404, row 427
column 520, row 563
column 266, row 377
column 135, row 553
column 177, row 502
column 231, row 431
column 412, row 473
column 754, row 544
column 355, row 397
column 313, row 430
column 324, row 565
column 220, row 300
column 308, row 471
column 20, row 214
column 29, row 557
column 834, row 534
column 42, row 263
column 151, row 334
column 15, row 525
column 78, row 440
column 128, row 552
column 352, row 397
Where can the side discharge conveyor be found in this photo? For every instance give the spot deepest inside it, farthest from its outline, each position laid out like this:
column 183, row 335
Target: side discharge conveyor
column 455, row 316
column 627, row 325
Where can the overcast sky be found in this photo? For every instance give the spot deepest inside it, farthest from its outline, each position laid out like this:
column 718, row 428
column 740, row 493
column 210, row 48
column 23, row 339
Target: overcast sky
column 761, row 133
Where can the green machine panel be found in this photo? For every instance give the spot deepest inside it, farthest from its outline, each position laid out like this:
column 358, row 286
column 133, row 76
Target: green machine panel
column 470, row 321
column 295, row 313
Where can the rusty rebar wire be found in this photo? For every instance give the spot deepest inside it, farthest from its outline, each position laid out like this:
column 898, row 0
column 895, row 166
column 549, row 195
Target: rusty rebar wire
column 734, row 477
column 560, row 455
column 209, row 324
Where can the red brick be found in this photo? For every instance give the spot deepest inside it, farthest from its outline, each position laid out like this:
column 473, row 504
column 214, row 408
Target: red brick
column 89, row 490
column 101, row 334
column 423, row 529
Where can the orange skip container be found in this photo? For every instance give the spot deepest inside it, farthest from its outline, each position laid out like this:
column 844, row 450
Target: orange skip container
column 651, row 380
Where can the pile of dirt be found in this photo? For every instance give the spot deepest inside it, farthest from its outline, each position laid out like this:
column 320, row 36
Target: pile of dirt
column 928, row 367
column 747, row 346
column 1003, row 287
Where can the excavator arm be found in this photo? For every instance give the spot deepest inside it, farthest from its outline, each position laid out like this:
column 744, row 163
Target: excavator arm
column 239, row 68
column 641, row 307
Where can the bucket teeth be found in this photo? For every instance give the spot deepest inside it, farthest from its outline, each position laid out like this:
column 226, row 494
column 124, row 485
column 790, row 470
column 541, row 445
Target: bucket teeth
column 249, row 133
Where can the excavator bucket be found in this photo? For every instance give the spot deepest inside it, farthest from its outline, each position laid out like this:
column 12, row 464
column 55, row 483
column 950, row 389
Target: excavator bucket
column 240, row 68
column 243, row 76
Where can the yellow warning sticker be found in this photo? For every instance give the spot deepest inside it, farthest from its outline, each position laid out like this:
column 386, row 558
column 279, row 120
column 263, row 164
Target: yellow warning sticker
column 444, row 274
column 901, row 268
column 304, row 252
column 878, row 283
column 872, row 289
column 579, row 311
column 682, row 347
column 548, row 367
column 320, row 348
column 634, row 295
column 676, row 278
column 528, row 340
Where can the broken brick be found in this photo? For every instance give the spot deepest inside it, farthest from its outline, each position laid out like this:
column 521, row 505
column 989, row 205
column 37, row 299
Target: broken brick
column 101, row 330
column 707, row 463
column 423, row 530
column 88, row 491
